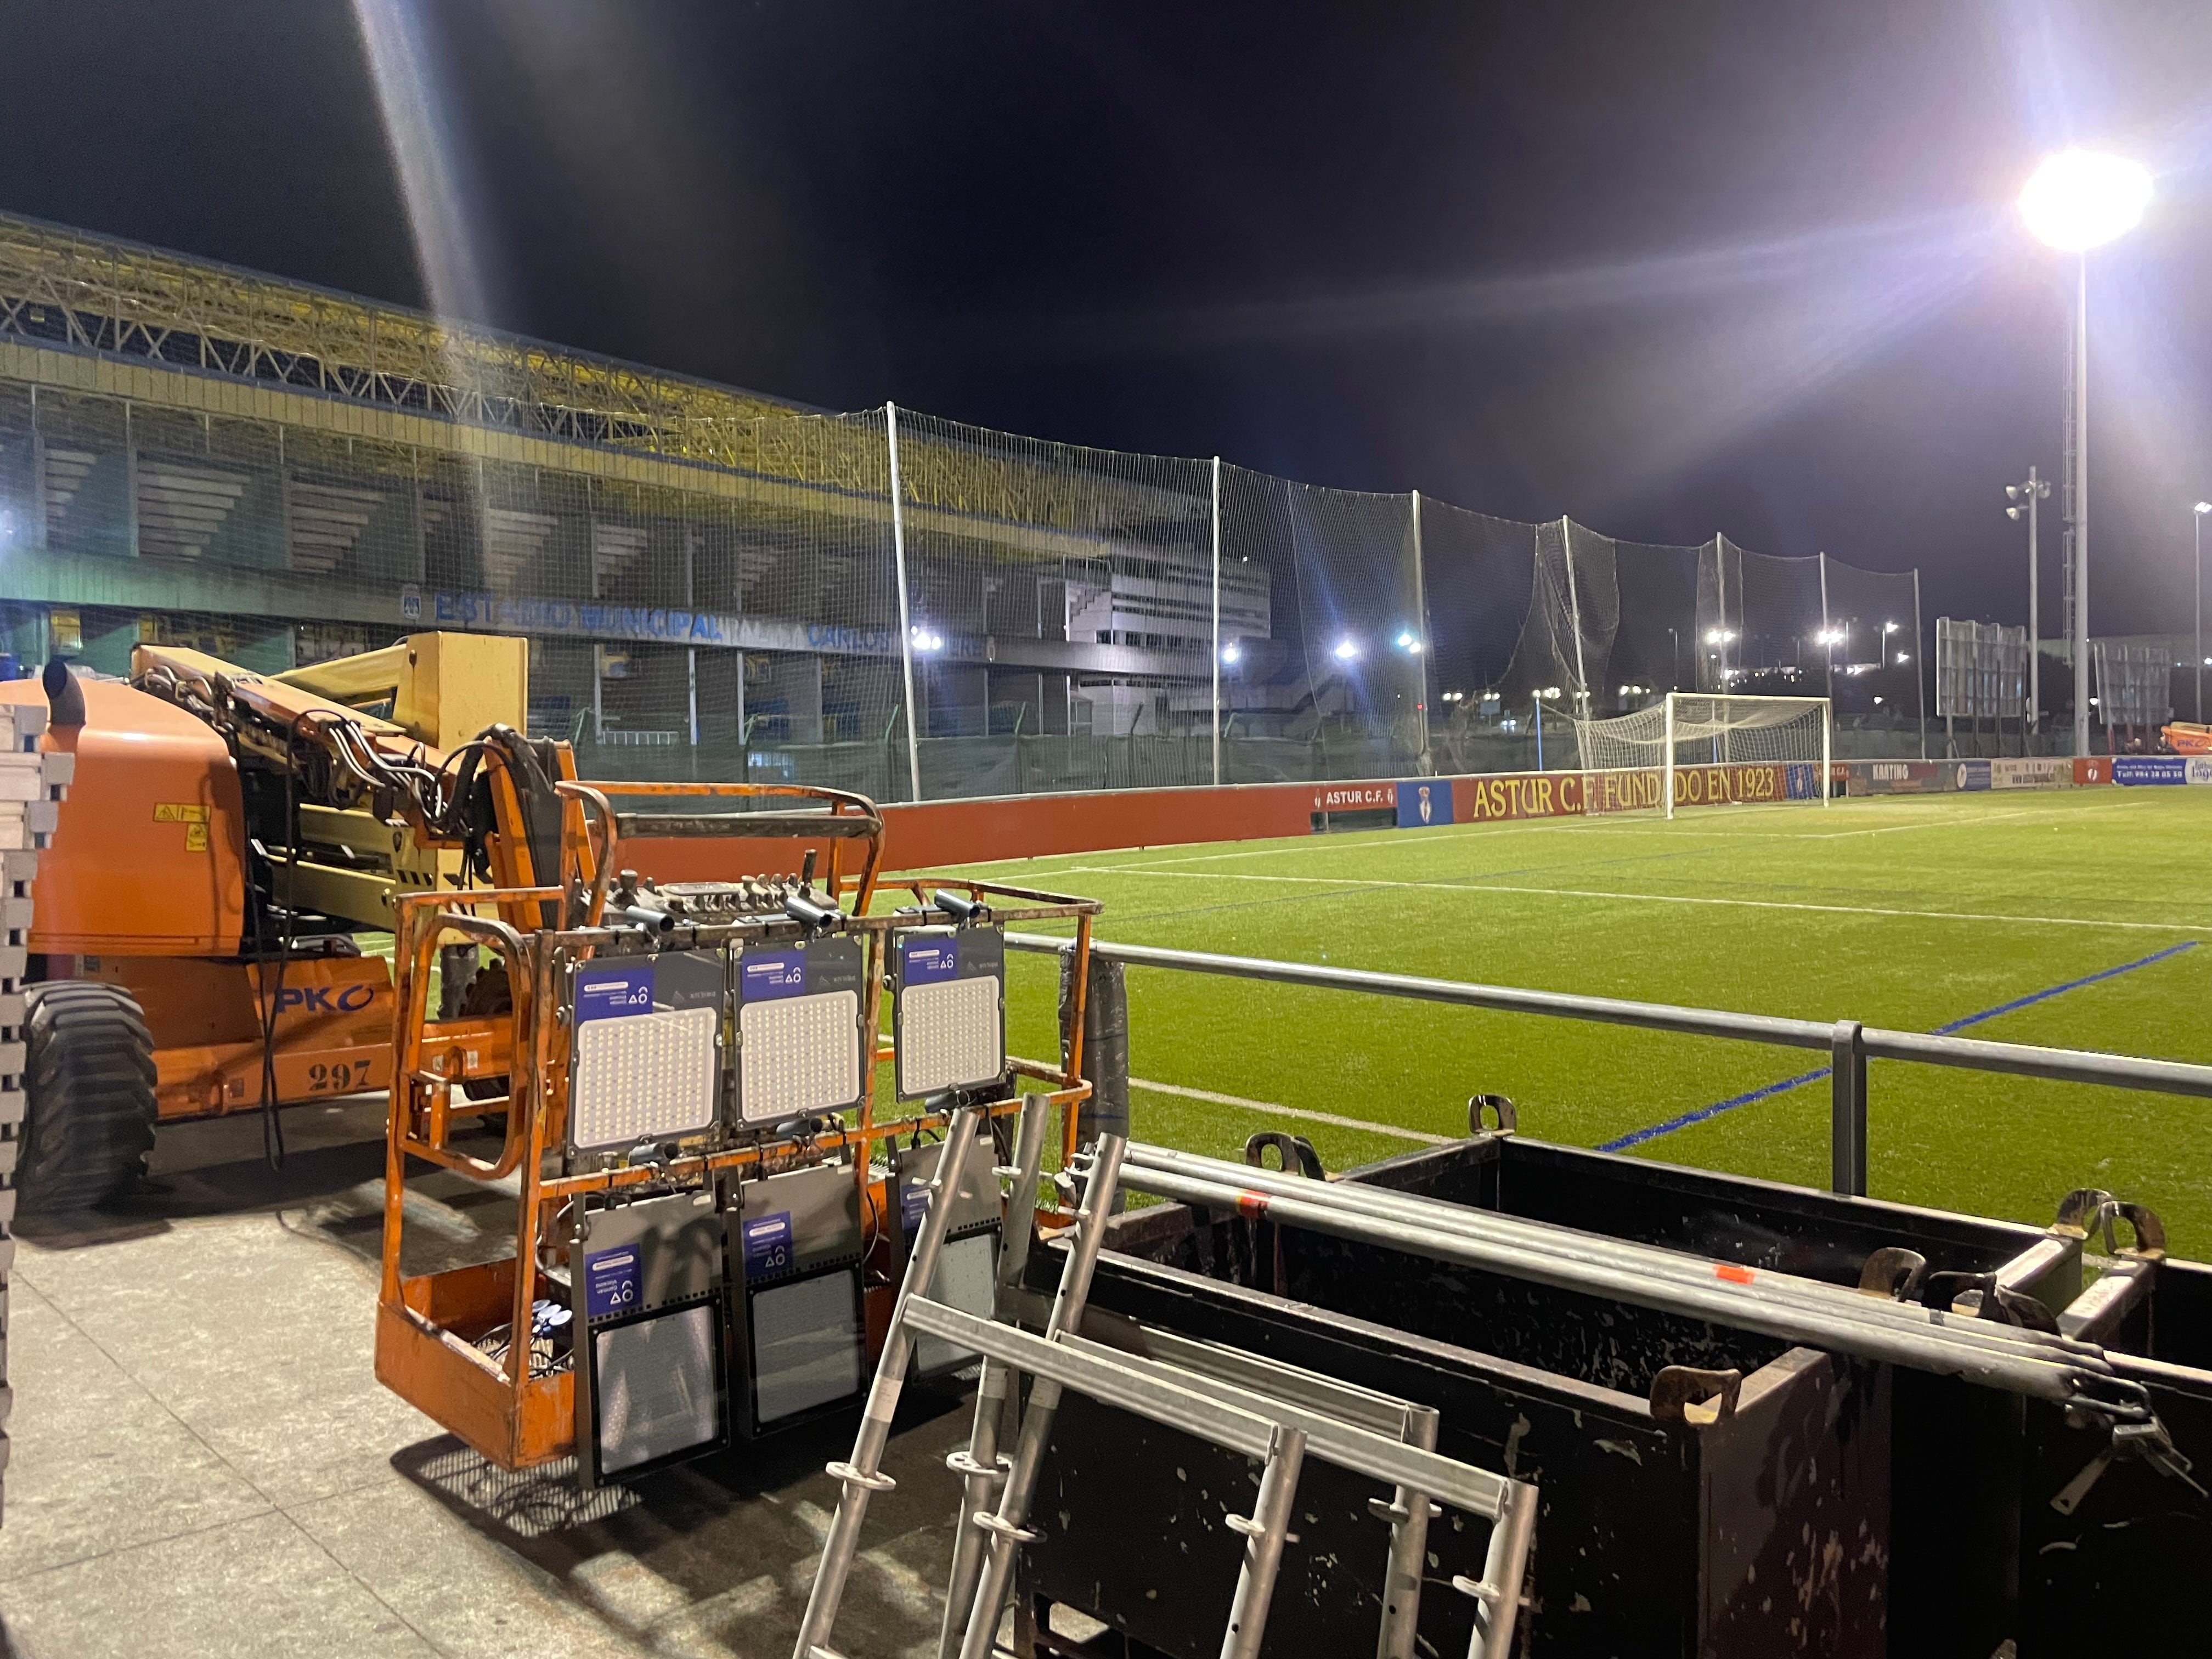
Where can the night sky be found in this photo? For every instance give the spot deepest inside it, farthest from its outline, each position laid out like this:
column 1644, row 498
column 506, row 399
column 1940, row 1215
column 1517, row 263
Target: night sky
column 1669, row 268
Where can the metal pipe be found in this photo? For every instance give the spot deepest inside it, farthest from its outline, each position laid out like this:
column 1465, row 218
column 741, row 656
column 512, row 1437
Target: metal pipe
column 1505, row 1566
column 2054, row 1377
column 2018, row 1060
column 2081, row 413
column 1649, row 1016
column 1217, row 621
column 983, row 1466
column 861, row 1476
column 906, row 614
column 1651, row 1263
column 1264, row 1535
column 1006, row 1524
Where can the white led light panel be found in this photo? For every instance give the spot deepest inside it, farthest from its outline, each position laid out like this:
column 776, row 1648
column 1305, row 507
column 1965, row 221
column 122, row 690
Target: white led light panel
column 798, row 1054
column 949, row 1036
column 643, row 1077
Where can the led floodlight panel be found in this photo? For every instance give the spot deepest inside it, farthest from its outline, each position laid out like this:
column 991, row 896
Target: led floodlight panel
column 798, row 1030
column 646, row 1063
column 802, row 1337
column 949, row 1009
column 648, row 1293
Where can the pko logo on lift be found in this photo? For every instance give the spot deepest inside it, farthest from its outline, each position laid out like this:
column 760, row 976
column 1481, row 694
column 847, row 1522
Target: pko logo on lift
column 325, row 998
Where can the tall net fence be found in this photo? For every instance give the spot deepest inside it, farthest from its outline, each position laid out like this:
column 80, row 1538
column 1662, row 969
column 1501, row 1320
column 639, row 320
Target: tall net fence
column 1016, row 617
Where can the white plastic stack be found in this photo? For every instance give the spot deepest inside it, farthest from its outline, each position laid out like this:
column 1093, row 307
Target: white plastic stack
column 32, row 784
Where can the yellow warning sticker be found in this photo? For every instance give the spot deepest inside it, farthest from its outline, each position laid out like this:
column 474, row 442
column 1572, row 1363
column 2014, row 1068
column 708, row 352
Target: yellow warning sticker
column 196, row 838
column 179, row 812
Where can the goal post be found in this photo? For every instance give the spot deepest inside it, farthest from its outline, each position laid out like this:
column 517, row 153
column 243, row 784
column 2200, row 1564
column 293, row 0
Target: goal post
column 1688, row 730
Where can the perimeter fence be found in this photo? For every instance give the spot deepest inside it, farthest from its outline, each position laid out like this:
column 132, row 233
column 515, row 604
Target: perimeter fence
column 911, row 606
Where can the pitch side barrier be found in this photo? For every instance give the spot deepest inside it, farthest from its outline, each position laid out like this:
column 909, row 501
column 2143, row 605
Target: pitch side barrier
column 938, row 833
column 1848, row 1043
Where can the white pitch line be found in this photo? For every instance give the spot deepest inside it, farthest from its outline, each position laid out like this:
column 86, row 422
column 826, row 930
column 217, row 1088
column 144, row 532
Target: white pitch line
column 1354, row 883
column 1269, row 1106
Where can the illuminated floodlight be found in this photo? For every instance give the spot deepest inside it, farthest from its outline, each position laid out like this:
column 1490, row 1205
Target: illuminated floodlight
column 1346, row 649
column 1231, row 652
column 1889, row 628
column 1408, row 642
column 1720, row 636
column 924, row 639
column 2079, row 199
column 1549, row 691
column 1901, row 657
column 2202, row 508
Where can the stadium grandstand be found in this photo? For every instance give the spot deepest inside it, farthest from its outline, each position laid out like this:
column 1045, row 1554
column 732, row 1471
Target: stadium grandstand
column 722, row 584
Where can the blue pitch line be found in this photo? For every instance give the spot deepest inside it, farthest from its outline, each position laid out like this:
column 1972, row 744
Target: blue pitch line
column 1637, row 1137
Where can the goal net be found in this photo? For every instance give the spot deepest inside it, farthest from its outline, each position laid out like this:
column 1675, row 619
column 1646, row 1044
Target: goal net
column 1710, row 750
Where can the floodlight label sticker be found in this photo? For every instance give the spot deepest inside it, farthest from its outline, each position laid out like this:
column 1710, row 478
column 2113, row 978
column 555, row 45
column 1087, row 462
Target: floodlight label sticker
column 610, row 1282
column 612, row 992
column 767, row 1244
column 914, row 1204
column 928, row 961
column 770, row 974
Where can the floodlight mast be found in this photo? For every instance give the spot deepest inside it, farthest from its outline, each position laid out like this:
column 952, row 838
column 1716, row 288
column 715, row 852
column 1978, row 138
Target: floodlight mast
column 2079, row 200
column 2025, row 498
column 2197, row 513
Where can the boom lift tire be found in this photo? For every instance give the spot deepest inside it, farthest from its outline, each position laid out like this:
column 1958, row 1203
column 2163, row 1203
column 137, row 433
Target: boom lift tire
column 489, row 996
column 89, row 1076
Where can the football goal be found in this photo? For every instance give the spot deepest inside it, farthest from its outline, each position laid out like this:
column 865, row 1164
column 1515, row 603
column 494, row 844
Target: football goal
column 1711, row 749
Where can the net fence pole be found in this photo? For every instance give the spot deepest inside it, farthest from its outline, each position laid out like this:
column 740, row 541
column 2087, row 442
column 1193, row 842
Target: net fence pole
column 691, row 652
column 1827, row 650
column 1919, row 682
column 1575, row 614
column 1667, row 757
column 2035, row 624
column 905, row 613
column 1720, row 583
column 1422, row 646
column 1217, row 622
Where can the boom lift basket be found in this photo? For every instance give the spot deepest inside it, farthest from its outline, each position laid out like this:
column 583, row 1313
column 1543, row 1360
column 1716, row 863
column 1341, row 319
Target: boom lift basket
column 707, row 1237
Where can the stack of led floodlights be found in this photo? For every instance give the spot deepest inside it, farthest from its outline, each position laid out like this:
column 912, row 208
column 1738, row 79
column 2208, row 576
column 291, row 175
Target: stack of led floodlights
column 732, row 1307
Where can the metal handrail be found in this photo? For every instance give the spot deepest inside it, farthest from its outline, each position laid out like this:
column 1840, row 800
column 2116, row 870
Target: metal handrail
column 1850, row 1044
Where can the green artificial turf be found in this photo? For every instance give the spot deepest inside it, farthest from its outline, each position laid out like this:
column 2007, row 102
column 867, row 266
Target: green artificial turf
column 1906, row 912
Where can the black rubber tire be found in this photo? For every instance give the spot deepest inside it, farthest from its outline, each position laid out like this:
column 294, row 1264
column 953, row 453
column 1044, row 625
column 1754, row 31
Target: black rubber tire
column 488, row 996
column 89, row 1077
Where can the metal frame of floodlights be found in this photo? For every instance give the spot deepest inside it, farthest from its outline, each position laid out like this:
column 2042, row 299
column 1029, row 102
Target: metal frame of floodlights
column 1849, row 1044
column 1274, row 1414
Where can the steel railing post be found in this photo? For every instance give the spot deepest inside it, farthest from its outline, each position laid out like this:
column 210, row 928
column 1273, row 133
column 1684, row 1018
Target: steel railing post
column 1265, row 1532
column 861, row 1477
column 1847, row 1111
column 1007, row 1524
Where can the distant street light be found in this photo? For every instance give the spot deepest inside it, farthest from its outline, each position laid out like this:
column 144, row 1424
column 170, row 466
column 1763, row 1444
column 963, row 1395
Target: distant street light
column 2025, row 497
column 2079, row 200
column 1347, row 649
